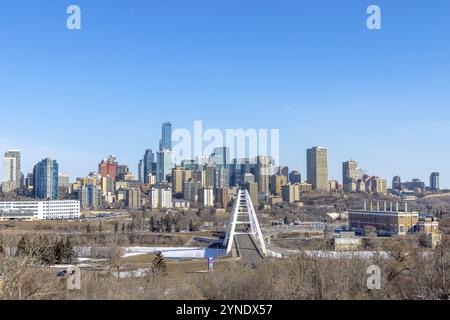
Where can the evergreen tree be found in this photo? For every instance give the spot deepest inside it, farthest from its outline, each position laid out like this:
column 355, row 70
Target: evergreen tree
column 159, row 267
column 68, row 252
column 22, row 246
column 58, row 249
column 100, row 227
column 45, row 252
column 116, row 227
column 191, row 226
column 88, row 228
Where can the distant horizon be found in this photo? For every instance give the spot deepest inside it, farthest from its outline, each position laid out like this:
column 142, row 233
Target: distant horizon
column 311, row 69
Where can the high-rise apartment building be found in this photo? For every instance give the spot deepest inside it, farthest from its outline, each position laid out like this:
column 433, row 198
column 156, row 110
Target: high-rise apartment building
column 46, row 179
column 133, row 198
column 222, row 197
column 434, row 181
column 161, row 197
column 221, row 179
column 179, row 177
column 108, row 167
column 317, row 168
column 263, row 173
column 276, row 182
column 89, row 196
column 252, row 188
column 11, row 171
column 206, row 197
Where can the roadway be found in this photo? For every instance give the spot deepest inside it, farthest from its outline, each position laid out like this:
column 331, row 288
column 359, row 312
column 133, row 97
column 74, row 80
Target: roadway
column 247, row 249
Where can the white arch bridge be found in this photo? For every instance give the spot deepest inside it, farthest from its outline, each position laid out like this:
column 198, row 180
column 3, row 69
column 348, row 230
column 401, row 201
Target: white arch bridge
column 244, row 233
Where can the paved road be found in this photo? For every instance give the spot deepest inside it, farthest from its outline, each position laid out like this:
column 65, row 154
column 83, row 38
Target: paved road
column 247, row 249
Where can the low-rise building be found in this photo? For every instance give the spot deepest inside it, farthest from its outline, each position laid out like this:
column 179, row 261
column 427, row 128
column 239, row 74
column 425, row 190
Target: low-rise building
column 387, row 220
column 40, row 210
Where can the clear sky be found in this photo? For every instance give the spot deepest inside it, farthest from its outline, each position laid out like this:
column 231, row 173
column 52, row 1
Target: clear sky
column 310, row 68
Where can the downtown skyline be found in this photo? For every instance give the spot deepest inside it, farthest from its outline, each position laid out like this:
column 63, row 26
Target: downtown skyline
column 168, row 145
column 311, row 70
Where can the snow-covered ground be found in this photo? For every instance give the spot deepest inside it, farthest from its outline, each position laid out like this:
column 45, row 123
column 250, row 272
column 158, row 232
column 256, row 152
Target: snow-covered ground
column 176, row 252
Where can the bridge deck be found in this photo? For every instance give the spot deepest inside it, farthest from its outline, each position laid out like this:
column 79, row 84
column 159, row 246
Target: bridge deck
column 247, row 249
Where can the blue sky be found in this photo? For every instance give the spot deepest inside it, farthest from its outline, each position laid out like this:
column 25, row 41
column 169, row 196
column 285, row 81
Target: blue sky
column 310, row 68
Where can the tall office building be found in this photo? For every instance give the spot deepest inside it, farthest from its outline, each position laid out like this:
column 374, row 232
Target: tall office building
column 46, row 180
column 141, row 172
column 166, row 137
column 11, row 171
column 351, row 173
column 262, row 173
column 221, row 157
column 210, row 176
column 397, row 183
column 148, row 163
column 239, row 168
column 122, row 172
column 165, row 164
column 317, row 168
column 434, row 181
column 295, row 177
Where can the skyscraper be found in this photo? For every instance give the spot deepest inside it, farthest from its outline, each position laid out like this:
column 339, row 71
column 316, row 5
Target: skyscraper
column 165, row 165
column 434, row 181
column 262, row 173
column 397, row 183
column 148, row 162
column 166, row 137
column 221, row 157
column 46, row 179
column 141, row 172
column 11, row 171
column 317, row 168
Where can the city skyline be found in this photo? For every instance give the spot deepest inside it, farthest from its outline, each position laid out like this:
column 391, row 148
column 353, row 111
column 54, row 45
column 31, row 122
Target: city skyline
column 77, row 96
column 428, row 181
